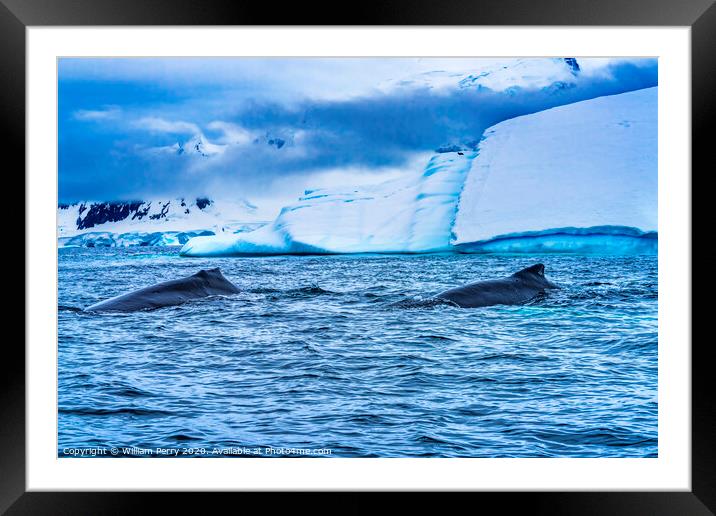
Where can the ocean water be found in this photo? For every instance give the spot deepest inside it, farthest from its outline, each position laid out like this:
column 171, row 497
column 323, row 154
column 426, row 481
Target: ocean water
column 340, row 356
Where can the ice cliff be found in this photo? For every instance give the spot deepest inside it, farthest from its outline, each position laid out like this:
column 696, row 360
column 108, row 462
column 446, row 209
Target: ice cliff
column 408, row 215
column 592, row 164
column 575, row 178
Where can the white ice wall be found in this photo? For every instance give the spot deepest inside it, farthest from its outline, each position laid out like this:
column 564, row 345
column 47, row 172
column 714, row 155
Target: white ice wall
column 592, row 163
column 587, row 164
column 412, row 214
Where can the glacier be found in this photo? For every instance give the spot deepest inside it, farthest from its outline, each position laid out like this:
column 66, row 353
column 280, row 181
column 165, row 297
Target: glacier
column 162, row 222
column 613, row 240
column 578, row 178
column 407, row 215
column 575, row 178
column 131, row 239
column 584, row 165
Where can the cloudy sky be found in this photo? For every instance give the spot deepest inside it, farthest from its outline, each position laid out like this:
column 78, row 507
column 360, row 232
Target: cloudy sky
column 267, row 128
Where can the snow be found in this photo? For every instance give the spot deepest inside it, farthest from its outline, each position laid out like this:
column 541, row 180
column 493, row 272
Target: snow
column 591, row 163
column 198, row 144
column 577, row 178
column 162, row 221
column 409, row 215
column 495, row 74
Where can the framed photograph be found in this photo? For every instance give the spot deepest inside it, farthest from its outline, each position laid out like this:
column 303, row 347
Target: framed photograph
column 418, row 250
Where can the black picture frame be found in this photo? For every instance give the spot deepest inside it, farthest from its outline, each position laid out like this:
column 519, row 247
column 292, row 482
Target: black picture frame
column 16, row 15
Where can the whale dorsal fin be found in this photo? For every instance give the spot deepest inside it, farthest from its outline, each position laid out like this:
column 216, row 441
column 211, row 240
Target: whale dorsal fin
column 203, row 273
column 534, row 269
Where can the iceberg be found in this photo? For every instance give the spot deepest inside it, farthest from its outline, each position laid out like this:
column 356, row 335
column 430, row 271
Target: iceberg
column 613, row 240
column 592, row 164
column 408, row 215
column 141, row 239
column 575, row 178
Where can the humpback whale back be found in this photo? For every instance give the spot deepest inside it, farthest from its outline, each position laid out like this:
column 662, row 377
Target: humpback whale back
column 168, row 293
column 517, row 288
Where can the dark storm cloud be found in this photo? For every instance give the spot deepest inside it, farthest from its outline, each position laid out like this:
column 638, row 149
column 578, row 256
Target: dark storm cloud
column 285, row 139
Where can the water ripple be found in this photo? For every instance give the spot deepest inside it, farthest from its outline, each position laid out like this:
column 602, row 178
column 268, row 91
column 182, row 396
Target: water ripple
column 352, row 354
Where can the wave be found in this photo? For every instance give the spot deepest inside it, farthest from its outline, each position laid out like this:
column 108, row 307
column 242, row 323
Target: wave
column 428, row 303
column 127, row 391
column 308, row 291
column 66, row 308
column 131, row 411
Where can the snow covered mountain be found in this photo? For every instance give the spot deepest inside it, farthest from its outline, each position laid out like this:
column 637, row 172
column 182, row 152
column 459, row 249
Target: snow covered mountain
column 199, row 146
column 499, row 88
column 580, row 177
column 154, row 222
column 496, row 75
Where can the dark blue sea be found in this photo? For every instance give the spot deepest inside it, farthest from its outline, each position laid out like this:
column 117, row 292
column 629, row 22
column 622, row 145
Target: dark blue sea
column 339, row 356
